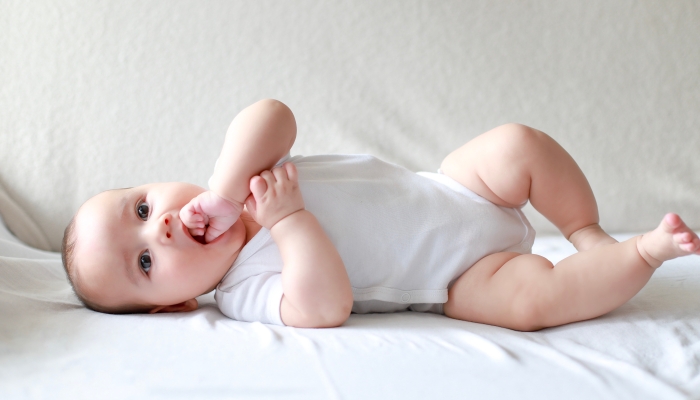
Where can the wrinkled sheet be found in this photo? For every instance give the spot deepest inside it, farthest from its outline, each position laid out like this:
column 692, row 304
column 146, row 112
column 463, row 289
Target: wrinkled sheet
column 51, row 347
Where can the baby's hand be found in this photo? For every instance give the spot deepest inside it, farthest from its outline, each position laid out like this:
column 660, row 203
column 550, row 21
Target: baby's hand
column 209, row 209
column 274, row 195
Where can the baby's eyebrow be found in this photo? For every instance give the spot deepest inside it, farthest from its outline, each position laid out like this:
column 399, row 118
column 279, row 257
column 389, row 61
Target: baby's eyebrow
column 129, row 270
column 125, row 205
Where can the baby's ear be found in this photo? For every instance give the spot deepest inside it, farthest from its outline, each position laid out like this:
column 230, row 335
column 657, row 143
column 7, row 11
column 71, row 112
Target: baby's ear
column 185, row 306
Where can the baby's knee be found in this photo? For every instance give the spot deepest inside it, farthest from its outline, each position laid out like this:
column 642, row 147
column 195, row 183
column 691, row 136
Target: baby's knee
column 521, row 136
column 521, row 144
column 533, row 301
column 528, row 317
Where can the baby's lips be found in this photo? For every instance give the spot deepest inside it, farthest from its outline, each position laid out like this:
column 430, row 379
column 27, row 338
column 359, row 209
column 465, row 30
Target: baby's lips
column 199, row 239
column 186, row 230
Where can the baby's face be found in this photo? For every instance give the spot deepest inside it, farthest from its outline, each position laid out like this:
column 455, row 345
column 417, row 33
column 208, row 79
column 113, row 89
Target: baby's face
column 132, row 248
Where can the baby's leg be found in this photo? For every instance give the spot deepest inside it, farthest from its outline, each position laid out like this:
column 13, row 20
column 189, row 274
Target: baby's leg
column 513, row 163
column 525, row 292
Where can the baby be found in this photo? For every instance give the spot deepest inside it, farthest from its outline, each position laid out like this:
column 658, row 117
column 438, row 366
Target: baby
column 305, row 241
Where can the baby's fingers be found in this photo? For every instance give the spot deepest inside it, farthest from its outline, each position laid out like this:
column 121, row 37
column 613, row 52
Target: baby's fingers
column 197, row 231
column 291, row 171
column 195, row 223
column 217, row 226
column 190, row 217
column 251, row 206
column 257, row 187
column 280, row 174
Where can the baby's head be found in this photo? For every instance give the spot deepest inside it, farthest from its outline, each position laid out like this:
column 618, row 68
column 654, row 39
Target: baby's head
column 127, row 251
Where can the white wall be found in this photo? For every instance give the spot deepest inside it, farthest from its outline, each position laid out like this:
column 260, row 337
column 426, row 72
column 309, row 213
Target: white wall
column 103, row 94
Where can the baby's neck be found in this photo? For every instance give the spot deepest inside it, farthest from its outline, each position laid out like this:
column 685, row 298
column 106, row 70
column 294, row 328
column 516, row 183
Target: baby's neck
column 251, row 227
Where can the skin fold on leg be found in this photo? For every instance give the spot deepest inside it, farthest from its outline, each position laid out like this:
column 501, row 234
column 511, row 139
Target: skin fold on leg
column 526, row 292
column 512, row 164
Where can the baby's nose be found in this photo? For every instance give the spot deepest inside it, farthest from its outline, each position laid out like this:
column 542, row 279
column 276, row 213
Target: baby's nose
column 163, row 229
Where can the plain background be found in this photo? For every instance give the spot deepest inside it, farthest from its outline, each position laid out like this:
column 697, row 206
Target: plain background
column 104, row 94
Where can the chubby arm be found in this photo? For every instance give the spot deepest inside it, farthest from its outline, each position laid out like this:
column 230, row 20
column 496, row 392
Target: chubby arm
column 317, row 291
column 257, row 138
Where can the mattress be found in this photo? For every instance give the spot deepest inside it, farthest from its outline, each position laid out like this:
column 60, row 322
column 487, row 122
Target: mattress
column 51, row 347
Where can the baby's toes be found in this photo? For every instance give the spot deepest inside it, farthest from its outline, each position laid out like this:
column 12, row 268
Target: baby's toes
column 696, row 245
column 672, row 221
column 689, row 247
column 682, row 237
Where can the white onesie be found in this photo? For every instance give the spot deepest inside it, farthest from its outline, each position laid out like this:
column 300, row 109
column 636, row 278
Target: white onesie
column 404, row 237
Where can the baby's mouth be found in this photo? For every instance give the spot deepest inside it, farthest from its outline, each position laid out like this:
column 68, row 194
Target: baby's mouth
column 199, row 239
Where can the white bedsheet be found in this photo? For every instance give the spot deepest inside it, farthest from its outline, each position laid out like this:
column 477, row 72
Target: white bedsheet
column 51, row 347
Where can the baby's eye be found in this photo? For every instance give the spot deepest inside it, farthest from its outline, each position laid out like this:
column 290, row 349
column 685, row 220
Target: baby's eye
column 142, row 211
column 145, row 261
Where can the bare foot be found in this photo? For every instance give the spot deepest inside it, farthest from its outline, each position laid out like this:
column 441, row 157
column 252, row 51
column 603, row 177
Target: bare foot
column 671, row 239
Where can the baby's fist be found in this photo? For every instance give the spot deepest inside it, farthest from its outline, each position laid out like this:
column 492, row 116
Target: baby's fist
column 209, row 215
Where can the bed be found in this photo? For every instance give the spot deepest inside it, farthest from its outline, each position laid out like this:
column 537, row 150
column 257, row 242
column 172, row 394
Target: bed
column 52, row 347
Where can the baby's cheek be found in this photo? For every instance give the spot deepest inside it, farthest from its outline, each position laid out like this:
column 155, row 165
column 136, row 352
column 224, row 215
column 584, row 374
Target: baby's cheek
column 182, row 276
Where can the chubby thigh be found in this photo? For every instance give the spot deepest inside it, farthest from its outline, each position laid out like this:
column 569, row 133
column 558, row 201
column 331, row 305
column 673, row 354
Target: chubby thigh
column 499, row 290
column 526, row 292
